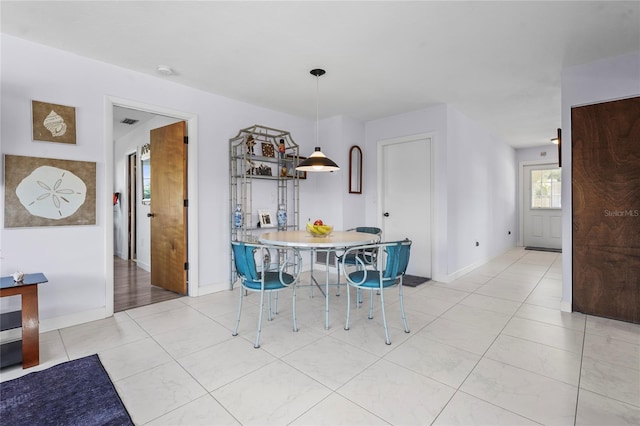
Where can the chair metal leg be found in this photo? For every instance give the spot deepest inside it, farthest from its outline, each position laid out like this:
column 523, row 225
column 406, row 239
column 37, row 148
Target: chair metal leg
column 384, row 317
column 338, row 285
column 257, row 343
column 404, row 316
column 371, row 304
column 269, row 318
column 348, row 290
column 235, row 331
column 295, row 324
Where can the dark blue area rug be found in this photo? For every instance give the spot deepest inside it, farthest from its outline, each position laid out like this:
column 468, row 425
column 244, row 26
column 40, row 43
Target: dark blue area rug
column 77, row 392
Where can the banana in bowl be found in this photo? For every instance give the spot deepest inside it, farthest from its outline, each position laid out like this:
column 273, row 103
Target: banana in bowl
column 319, row 230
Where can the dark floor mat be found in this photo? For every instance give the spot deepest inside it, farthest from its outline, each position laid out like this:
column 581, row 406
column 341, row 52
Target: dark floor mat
column 413, row 281
column 553, row 250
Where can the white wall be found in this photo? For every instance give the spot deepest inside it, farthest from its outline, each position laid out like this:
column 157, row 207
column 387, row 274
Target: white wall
column 481, row 188
column 431, row 120
column 353, row 133
column 475, row 186
column 74, row 258
column 606, row 80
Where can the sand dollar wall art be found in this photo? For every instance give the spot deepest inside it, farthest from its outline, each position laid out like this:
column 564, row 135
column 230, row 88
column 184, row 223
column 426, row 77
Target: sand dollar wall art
column 48, row 192
column 53, row 123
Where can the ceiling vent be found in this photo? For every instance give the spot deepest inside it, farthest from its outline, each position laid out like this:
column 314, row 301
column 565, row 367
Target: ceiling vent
column 129, row 121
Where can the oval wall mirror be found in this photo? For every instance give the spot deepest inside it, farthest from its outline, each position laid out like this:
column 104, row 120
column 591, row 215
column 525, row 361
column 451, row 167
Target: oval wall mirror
column 355, row 170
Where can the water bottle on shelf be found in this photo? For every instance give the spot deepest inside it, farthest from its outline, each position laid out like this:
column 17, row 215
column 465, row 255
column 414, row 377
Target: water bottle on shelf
column 237, row 216
column 282, row 216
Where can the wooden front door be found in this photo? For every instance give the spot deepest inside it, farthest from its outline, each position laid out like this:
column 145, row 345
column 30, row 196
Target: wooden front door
column 605, row 166
column 168, row 207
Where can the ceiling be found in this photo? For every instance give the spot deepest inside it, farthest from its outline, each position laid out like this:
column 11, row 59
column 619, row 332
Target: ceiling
column 499, row 63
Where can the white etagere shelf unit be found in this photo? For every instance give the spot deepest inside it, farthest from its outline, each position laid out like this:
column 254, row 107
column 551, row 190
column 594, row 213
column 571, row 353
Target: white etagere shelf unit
column 262, row 160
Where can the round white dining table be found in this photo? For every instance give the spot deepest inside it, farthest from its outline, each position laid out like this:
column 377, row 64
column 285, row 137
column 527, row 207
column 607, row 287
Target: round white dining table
column 302, row 240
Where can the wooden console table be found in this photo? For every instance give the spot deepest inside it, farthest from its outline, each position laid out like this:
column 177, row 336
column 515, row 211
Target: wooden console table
column 29, row 348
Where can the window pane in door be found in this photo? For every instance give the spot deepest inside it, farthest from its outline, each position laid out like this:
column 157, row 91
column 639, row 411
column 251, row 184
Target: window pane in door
column 546, row 186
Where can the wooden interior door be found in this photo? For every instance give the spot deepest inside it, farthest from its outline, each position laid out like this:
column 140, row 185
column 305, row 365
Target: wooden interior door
column 605, row 153
column 168, row 207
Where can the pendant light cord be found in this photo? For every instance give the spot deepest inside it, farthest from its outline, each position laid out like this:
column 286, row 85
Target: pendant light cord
column 317, row 110
column 318, row 73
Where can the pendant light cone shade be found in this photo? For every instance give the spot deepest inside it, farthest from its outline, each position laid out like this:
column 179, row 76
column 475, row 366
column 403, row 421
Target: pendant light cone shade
column 317, row 162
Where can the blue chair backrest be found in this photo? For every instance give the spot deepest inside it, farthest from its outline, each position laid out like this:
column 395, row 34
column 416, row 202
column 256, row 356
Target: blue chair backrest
column 369, row 230
column 244, row 260
column 397, row 259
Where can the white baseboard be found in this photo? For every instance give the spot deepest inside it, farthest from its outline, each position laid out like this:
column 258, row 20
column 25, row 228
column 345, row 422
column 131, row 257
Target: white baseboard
column 64, row 321
column 214, row 288
column 144, row 265
column 565, row 306
column 447, row 278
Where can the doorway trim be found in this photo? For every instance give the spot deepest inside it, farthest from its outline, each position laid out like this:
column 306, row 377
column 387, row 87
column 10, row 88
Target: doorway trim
column 521, row 191
column 192, row 189
column 430, row 137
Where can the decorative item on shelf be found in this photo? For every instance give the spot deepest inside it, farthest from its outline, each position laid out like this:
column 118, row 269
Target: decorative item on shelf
column 282, row 216
column 237, row 216
column 18, row 276
column 267, row 149
column 265, row 218
column 251, row 167
column 283, row 171
column 250, row 142
column 317, row 162
column 264, row 170
column 293, row 170
column 281, row 148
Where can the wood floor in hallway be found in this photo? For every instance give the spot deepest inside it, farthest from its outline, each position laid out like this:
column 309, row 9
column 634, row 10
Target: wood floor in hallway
column 132, row 287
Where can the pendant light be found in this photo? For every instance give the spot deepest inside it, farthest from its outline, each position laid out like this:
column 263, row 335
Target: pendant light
column 317, row 162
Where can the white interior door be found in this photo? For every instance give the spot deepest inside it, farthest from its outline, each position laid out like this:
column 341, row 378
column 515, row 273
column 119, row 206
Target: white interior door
column 542, row 212
column 405, row 189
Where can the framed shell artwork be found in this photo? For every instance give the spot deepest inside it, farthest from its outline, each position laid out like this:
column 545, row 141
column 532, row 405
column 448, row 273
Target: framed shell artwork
column 53, row 123
column 48, row 192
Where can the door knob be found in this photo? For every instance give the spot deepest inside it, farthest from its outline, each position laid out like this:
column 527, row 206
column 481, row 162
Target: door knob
column 150, row 214
column 386, row 214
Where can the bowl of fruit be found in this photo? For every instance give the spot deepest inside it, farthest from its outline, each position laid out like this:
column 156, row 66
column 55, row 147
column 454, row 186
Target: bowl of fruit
column 319, row 229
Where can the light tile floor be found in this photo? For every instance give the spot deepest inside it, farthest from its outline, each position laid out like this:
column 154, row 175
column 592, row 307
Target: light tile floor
column 491, row 348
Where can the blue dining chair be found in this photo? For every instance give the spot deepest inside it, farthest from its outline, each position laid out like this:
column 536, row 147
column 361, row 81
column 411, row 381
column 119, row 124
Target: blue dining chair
column 264, row 279
column 394, row 256
column 367, row 256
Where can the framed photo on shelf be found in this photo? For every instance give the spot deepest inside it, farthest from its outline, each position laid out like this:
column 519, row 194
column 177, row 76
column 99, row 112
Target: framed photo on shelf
column 266, row 218
column 291, row 167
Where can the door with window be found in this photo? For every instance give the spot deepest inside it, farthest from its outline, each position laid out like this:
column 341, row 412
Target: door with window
column 542, row 213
